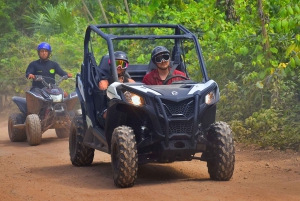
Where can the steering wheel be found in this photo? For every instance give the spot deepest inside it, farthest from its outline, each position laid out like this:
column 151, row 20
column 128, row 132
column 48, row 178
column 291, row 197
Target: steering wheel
column 173, row 76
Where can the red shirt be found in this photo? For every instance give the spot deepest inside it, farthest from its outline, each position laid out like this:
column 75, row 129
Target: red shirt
column 153, row 78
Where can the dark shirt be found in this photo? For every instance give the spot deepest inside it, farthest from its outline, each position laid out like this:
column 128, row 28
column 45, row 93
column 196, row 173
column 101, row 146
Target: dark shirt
column 153, row 77
column 45, row 68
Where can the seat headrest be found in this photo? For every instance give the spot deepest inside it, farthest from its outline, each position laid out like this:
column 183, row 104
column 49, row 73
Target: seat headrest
column 104, row 63
column 151, row 66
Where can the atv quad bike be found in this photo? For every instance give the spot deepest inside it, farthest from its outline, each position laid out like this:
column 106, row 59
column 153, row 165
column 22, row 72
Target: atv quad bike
column 148, row 123
column 42, row 109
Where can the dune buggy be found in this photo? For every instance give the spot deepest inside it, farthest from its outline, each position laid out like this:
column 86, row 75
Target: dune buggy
column 148, row 123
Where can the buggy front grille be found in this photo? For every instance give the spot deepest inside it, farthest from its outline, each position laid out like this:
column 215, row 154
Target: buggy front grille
column 184, row 108
column 179, row 114
column 176, row 127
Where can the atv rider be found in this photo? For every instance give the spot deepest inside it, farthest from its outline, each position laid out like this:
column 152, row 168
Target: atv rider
column 45, row 67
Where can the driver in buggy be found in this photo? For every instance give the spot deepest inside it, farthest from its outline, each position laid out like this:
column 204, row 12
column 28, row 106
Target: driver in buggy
column 160, row 56
column 45, row 67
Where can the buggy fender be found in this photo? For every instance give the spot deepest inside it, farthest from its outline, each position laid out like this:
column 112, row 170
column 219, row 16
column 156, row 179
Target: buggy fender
column 21, row 103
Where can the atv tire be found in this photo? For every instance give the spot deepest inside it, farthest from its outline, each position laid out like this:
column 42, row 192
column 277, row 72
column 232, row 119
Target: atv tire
column 62, row 132
column 15, row 134
column 221, row 152
column 80, row 155
column 124, row 157
column 33, row 129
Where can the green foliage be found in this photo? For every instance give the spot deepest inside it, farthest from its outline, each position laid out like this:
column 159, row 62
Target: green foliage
column 257, row 71
column 230, row 103
column 54, row 20
column 12, row 68
column 269, row 127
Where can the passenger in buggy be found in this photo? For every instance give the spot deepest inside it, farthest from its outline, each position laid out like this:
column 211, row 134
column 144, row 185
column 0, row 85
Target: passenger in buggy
column 122, row 62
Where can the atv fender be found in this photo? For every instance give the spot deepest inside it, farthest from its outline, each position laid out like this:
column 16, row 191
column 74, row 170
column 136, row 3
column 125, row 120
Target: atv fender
column 21, row 103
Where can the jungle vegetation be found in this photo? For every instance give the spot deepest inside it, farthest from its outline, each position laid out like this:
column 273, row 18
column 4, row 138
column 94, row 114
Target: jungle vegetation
column 251, row 48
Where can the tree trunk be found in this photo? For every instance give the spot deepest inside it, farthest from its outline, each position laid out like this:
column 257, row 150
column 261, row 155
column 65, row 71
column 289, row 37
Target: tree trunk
column 227, row 6
column 127, row 10
column 103, row 12
column 264, row 21
column 87, row 10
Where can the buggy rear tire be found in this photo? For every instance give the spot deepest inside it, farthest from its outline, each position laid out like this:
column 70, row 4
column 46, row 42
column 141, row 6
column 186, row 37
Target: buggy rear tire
column 15, row 134
column 62, row 132
column 124, row 157
column 33, row 130
column 221, row 152
column 80, row 155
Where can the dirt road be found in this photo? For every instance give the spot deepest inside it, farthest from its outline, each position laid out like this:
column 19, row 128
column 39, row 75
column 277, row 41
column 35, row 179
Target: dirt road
column 44, row 172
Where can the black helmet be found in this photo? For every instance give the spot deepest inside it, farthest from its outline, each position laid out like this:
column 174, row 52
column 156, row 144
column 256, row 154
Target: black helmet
column 157, row 50
column 119, row 55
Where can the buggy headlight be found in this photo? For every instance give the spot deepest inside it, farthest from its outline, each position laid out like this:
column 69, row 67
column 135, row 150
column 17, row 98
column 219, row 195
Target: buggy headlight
column 210, row 98
column 134, row 99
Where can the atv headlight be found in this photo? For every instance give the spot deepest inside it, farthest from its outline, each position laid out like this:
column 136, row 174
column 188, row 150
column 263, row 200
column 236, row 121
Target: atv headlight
column 210, row 98
column 57, row 98
column 134, row 99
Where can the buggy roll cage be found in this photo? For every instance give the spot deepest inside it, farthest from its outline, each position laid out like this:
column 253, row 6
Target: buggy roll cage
column 109, row 37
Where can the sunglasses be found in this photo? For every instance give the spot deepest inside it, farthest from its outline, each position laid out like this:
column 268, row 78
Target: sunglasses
column 161, row 58
column 121, row 64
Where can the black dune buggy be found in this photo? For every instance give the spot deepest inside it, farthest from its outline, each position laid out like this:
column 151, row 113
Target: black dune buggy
column 41, row 110
column 148, row 123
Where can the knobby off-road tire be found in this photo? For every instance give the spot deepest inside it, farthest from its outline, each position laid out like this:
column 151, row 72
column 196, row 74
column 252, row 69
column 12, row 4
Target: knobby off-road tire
column 62, row 132
column 80, row 155
column 221, row 152
column 124, row 157
column 33, row 130
column 16, row 135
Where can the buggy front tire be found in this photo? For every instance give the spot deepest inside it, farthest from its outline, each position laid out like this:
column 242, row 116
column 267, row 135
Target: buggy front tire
column 15, row 134
column 221, row 152
column 124, row 157
column 80, row 155
column 33, row 130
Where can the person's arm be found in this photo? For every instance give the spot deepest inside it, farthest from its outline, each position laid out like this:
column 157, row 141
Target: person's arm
column 30, row 71
column 127, row 78
column 131, row 80
column 103, row 84
column 146, row 80
column 149, row 79
column 60, row 71
column 178, row 72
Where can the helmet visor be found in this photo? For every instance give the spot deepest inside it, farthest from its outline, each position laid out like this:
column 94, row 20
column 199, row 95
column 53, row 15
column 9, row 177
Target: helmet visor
column 162, row 57
column 121, row 64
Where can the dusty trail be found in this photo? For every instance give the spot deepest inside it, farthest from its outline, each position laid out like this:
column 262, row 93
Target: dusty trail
column 45, row 172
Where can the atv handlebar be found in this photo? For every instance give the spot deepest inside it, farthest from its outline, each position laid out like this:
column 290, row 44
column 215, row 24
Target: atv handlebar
column 49, row 85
